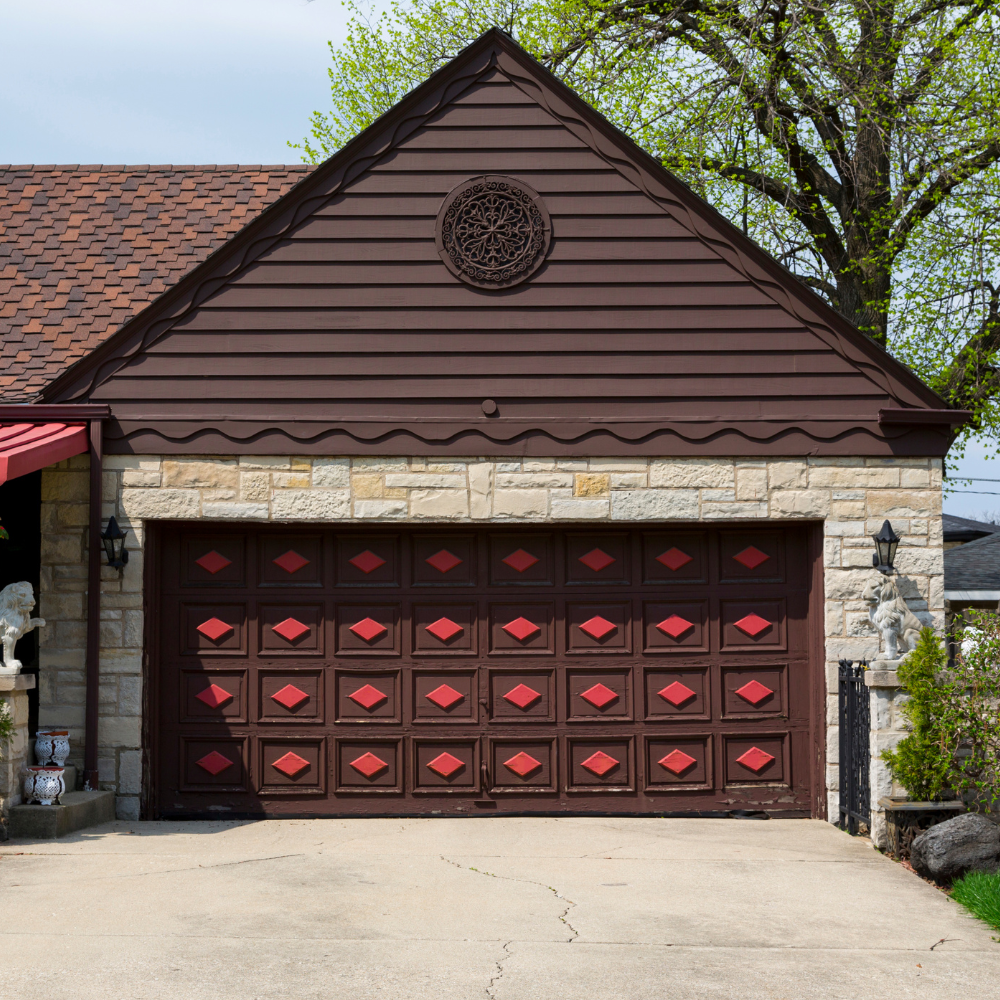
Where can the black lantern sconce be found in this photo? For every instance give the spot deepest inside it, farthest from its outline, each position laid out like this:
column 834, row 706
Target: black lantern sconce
column 885, row 548
column 114, row 544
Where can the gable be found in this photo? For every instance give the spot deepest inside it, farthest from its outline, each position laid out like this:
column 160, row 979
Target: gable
column 333, row 326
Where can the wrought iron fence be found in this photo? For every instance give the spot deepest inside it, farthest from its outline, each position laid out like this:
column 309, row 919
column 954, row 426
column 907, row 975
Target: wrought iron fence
column 855, row 748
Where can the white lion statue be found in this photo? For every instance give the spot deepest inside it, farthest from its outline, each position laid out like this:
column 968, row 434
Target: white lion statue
column 888, row 612
column 16, row 602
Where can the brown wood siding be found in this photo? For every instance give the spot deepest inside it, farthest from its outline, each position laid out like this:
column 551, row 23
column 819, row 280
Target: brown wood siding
column 636, row 335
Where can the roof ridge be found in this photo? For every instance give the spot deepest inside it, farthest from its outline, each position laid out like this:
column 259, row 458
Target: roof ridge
column 148, row 167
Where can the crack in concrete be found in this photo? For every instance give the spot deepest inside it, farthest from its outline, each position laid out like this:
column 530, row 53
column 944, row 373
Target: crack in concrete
column 490, row 992
column 574, row 933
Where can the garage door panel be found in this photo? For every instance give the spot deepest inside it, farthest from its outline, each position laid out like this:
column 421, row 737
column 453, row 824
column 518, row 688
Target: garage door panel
column 291, row 765
column 604, row 628
column 518, row 696
column 369, row 629
column 444, row 560
column 675, row 626
column 682, row 763
column 755, row 555
column 599, row 695
column 598, row 559
column 747, row 625
column 210, row 560
column 445, row 767
column 521, row 560
column 757, row 692
column 214, row 764
column 523, row 765
column 445, row 629
column 445, row 697
column 368, row 560
column 675, row 557
column 368, row 767
column 213, row 696
column 522, row 629
column 291, row 629
column 600, row 765
column 291, row 697
column 368, row 696
column 677, row 694
column 210, row 630
column 290, row 560
column 757, row 759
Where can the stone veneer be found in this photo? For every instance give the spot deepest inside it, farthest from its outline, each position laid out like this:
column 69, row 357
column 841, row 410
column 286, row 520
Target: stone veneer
column 851, row 496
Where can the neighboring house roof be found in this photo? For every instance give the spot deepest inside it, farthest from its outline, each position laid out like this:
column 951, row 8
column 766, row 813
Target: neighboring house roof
column 973, row 569
column 84, row 248
column 963, row 529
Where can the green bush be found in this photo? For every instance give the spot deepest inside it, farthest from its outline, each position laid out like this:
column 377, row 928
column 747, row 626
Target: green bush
column 980, row 893
column 6, row 728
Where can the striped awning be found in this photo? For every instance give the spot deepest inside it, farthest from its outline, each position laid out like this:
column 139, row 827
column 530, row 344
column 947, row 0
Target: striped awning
column 26, row 448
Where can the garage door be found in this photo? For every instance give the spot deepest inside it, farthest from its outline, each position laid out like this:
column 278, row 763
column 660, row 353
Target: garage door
column 305, row 672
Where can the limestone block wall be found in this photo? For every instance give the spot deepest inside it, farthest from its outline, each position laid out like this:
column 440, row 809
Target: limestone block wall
column 851, row 496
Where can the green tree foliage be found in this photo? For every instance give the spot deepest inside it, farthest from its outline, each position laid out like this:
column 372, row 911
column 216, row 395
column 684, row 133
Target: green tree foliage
column 856, row 140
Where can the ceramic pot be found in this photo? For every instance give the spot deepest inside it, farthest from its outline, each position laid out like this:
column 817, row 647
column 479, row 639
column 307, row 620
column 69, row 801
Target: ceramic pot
column 60, row 746
column 43, row 747
column 47, row 784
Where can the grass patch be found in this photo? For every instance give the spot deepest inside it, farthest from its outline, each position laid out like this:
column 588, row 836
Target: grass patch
column 980, row 893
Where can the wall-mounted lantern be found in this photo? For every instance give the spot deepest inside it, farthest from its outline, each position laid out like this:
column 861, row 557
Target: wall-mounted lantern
column 885, row 548
column 114, row 544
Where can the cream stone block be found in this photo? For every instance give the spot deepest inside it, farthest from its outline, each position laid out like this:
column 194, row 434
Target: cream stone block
column 536, row 466
column 846, row 584
column 130, row 772
column 121, row 462
column 692, row 472
column 852, row 477
column 65, row 485
column 591, row 484
column 439, row 504
column 139, row 477
column 385, row 509
column 161, row 503
column 265, row 462
column 718, row 496
column 847, row 509
column 854, row 529
column 201, row 474
column 216, row 496
column 649, row 505
column 833, row 617
column 533, row 480
column 915, row 478
column 799, row 503
column 447, row 465
column 424, row 480
column 290, row 481
column 255, row 486
column 366, row 487
column 310, row 505
column 480, row 489
column 109, row 486
column 831, row 551
column 904, row 503
column 926, row 561
column 839, row 461
column 751, row 484
column 119, row 731
column 379, row 463
column 572, row 464
column 580, row 509
column 528, row 504
column 629, row 480
column 121, row 662
column 635, row 465
column 331, row 473
column 736, row 511
column 229, row 511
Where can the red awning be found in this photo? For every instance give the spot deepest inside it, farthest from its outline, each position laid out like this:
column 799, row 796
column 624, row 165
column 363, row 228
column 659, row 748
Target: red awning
column 26, row 448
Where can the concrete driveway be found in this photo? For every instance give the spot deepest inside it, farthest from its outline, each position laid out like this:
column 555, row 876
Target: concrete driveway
column 498, row 908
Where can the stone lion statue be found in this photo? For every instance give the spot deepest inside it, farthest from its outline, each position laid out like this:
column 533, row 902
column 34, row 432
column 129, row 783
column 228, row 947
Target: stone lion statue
column 16, row 602
column 888, row 612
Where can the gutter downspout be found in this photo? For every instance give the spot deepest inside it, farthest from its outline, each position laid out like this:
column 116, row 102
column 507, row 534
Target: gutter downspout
column 95, row 548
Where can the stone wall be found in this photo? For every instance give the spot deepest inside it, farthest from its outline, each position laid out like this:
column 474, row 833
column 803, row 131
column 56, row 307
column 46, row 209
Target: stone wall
column 851, row 496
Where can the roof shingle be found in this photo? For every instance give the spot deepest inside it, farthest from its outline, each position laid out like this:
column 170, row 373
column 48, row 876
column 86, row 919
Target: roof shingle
column 84, row 248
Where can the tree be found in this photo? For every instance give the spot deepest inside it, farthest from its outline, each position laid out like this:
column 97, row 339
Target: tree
column 856, row 140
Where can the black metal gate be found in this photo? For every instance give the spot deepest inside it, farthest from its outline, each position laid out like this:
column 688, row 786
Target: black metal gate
column 855, row 748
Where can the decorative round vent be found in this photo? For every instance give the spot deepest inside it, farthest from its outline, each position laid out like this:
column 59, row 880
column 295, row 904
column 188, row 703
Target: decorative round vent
column 493, row 231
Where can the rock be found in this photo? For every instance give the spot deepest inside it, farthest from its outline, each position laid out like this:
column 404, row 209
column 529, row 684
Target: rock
column 969, row 842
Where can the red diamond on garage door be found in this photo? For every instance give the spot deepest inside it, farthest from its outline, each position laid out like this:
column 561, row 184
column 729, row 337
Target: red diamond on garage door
column 676, row 761
column 751, row 557
column 599, row 763
column 291, row 764
column 214, row 763
column 677, row 694
column 290, row 629
column 599, row 695
column 521, row 629
column 368, row 697
column 290, row 696
column 368, row 629
column 444, row 629
column 367, row 561
column 443, row 561
column 214, row 696
column 369, row 765
column 596, row 559
column 444, row 696
column 212, row 562
column 754, row 692
column 520, row 560
column 674, row 626
column 291, row 561
column 445, row 764
column 522, row 764
column 755, row 759
column 214, row 629
column 752, row 624
column 522, row 696
column 673, row 559
column 597, row 627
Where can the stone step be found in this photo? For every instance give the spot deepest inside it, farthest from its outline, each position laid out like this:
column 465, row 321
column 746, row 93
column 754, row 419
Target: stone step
column 76, row 811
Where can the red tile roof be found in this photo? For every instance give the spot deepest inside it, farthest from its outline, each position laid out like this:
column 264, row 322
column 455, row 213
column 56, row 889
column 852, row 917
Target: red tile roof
column 84, row 248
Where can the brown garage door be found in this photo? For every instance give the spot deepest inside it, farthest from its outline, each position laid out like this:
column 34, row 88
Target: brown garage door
column 315, row 672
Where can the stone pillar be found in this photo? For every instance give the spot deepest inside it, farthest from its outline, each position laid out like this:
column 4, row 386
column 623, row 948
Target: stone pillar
column 886, row 697
column 14, row 691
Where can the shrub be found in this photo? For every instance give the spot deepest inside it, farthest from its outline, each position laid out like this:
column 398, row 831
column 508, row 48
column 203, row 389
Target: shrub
column 980, row 893
column 6, row 728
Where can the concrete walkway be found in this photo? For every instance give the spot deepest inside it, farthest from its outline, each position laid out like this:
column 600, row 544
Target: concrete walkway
column 479, row 909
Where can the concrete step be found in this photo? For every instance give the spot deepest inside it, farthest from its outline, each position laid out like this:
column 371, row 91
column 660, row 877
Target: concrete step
column 76, row 811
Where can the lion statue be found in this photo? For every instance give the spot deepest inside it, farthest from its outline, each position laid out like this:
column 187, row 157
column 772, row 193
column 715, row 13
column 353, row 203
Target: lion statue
column 887, row 611
column 16, row 602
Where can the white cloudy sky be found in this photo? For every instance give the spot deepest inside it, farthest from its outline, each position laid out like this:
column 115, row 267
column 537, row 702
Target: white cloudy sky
column 200, row 81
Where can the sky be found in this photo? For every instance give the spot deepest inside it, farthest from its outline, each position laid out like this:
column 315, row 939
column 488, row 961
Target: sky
column 206, row 81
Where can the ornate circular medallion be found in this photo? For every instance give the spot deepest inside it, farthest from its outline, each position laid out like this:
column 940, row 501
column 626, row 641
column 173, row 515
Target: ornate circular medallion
column 493, row 231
